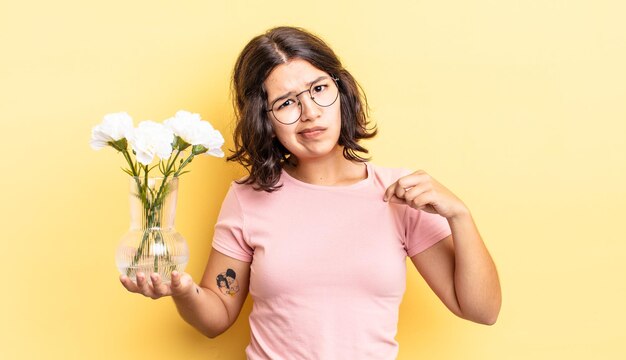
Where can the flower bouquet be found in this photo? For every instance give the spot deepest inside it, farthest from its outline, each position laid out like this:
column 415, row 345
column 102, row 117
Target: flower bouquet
column 152, row 244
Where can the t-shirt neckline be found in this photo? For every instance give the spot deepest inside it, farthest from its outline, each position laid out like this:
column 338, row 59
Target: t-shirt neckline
column 286, row 177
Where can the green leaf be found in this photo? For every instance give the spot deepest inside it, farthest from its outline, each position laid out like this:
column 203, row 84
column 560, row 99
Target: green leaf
column 186, row 171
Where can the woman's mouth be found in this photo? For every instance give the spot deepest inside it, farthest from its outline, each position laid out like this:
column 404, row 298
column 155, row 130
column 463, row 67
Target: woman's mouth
column 311, row 133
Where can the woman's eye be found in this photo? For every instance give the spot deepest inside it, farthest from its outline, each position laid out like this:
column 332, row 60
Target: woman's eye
column 285, row 104
column 319, row 88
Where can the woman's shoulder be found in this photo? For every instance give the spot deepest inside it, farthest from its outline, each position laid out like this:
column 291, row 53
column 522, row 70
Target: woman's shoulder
column 379, row 174
column 387, row 175
column 246, row 191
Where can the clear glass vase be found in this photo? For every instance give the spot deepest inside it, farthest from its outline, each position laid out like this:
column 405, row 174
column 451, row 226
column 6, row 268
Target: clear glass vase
column 152, row 244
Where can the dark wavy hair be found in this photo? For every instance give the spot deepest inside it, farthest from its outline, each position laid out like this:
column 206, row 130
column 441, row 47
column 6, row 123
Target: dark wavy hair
column 256, row 148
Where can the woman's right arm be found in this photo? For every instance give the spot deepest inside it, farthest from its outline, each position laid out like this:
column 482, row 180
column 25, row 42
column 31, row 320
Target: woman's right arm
column 205, row 306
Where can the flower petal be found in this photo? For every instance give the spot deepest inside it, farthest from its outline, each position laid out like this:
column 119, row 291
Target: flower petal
column 144, row 158
column 217, row 152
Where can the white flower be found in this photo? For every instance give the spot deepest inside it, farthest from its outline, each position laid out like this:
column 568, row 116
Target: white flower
column 212, row 139
column 214, row 144
column 150, row 139
column 114, row 127
column 184, row 126
column 194, row 131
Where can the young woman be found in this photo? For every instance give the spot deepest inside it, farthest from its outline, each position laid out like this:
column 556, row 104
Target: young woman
column 316, row 233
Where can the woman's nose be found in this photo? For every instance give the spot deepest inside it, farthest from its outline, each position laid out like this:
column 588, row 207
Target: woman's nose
column 310, row 110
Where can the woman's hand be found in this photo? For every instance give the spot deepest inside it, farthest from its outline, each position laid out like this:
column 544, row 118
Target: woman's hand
column 181, row 285
column 420, row 191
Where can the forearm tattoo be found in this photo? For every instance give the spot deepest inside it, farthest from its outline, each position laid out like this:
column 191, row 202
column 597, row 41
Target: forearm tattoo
column 227, row 282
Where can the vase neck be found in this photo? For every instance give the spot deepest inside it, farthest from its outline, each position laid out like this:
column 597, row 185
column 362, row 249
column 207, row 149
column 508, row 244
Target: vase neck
column 153, row 203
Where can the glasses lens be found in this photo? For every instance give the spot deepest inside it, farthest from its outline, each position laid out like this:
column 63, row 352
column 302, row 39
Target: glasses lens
column 324, row 92
column 287, row 111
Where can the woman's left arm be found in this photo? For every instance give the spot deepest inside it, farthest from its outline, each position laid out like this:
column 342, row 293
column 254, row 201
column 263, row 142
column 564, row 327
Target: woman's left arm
column 459, row 268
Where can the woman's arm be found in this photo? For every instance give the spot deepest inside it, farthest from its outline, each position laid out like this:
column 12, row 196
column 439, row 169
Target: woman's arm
column 461, row 272
column 459, row 268
column 206, row 307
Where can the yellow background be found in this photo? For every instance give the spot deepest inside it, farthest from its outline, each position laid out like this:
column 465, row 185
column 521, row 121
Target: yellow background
column 516, row 106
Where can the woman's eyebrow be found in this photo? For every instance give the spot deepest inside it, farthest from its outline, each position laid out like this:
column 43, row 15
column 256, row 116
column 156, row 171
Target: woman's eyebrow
column 293, row 92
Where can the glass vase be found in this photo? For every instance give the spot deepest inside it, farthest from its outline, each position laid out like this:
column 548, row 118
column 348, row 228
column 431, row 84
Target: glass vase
column 152, row 244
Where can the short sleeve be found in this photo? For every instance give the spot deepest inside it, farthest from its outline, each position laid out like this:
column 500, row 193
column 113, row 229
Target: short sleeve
column 229, row 237
column 423, row 230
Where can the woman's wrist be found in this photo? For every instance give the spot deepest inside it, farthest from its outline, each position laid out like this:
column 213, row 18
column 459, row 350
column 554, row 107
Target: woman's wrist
column 463, row 213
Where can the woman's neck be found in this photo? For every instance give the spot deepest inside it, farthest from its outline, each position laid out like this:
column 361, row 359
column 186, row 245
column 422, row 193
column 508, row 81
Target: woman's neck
column 333, row 170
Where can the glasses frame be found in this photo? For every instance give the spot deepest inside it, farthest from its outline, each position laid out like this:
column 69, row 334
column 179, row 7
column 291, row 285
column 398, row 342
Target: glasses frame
column 271, row 109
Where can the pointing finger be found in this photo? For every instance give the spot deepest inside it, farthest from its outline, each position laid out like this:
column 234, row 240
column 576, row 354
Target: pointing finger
column 399, row 192
column 389, row 192
column 395, row 200
column 394, row 189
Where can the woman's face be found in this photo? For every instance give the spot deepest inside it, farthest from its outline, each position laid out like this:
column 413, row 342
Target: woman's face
column 316, row 133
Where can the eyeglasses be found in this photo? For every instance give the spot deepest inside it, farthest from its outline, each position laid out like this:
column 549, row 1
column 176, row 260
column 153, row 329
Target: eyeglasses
column 288, row 110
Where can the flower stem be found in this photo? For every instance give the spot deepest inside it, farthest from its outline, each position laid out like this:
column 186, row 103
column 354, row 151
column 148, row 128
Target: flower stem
column 187, row 161
column 130, row 162
column 167, row 173
column 170, row 164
